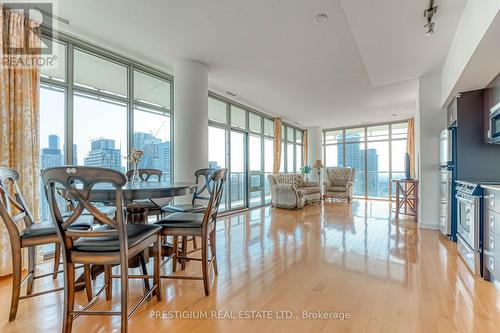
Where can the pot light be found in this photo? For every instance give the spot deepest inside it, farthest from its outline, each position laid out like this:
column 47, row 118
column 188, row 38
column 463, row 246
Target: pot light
column 320, row 18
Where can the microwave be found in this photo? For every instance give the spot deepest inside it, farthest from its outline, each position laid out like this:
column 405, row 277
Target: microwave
column 494, row 132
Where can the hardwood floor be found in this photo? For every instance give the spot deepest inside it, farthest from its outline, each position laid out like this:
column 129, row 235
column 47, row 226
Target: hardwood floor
column 352, row 259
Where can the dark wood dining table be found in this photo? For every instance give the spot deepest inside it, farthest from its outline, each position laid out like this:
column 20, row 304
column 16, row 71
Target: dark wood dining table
column 137, row 213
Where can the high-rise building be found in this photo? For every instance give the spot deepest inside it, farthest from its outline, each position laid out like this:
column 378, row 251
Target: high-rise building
column 372, row 160
column 156, row 152
column 51, row 156
column 104, row 154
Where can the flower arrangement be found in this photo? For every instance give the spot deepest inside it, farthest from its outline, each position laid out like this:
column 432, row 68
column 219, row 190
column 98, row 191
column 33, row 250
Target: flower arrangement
column 135, row 155
column 306, row 169
column 135, row 158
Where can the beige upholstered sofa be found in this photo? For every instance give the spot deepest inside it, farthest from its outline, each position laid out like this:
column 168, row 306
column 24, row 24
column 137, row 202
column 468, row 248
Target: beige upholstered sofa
column 292, row 191
column 339, row 183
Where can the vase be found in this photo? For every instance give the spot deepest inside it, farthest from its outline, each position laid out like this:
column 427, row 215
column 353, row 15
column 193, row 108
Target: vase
column 136, row 178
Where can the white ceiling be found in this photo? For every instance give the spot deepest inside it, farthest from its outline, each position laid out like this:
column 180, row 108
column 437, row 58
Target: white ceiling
column 359, row 67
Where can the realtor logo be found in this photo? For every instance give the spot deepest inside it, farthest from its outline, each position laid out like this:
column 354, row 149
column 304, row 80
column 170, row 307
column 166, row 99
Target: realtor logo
column 41, row 17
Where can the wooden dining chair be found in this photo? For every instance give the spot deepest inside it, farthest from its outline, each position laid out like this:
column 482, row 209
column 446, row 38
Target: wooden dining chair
column 113, row 243
column 197, row 225
column 154, row 206
column 13, row 209
column 199, row 195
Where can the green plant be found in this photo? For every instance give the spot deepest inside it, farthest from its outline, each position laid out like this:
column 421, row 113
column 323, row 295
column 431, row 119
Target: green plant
column 306, row 169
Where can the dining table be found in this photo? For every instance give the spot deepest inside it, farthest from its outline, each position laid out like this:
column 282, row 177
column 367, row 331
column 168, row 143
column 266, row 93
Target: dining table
column 137, row 213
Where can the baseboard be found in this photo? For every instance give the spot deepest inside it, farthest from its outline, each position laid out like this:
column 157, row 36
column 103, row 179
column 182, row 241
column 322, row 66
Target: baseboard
column 428, row 226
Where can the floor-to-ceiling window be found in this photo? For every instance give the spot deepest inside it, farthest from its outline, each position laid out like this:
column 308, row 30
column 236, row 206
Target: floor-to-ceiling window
column 244, row 141
column 376, row 152
column 292, row 149
column 95, row 106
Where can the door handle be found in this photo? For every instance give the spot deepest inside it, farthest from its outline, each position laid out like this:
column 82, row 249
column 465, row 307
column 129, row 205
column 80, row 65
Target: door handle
column 492, row 222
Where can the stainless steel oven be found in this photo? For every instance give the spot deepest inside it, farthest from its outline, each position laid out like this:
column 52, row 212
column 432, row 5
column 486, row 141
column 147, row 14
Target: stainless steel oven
column 494, row 131
column 469, row 202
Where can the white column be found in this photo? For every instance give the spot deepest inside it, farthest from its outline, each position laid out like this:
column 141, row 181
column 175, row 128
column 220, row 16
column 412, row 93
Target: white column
column 190, row 119
column 314, row 136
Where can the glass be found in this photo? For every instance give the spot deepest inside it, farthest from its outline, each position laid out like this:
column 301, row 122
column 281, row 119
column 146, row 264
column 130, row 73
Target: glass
column 96, row 73
column 290, row 162
column 398, row 155
column 268, row 127
column 52, row 109
column 376, row 133
column 283, row 162
column 57, row 71
column 100, row 143
column 378, row 169
column 333, row 137
column 268, row 167
column 238, row 117
column 355, row 134
column 283, row 132
column 255, row 123
column 298, row 136
column 355, row 158
column 152, row 135
column 237, row 170
column 152, row 90
column 255, row 170
column 333, row 155
column 217, row 138
column 378, row 185
column 217, row 110
column 298, row 157
column 399, row 131
column 290, row 134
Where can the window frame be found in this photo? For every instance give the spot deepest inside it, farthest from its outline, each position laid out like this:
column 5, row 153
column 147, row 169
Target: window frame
column 364, row 142
column 73, row 43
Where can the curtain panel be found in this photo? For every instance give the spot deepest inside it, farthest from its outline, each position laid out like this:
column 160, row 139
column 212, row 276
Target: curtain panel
column 277, row 145
column 19, row 116
column 305, row 149
column 410, row 145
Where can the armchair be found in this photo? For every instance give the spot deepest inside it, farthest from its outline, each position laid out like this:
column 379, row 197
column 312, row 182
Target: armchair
column 290, row 191
column 339, row 183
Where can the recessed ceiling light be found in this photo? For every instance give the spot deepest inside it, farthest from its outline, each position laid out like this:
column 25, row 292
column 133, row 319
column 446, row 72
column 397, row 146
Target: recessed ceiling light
column 320, row 18
column 394, row 114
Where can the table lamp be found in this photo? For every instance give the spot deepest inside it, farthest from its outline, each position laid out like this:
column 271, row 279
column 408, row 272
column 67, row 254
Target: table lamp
column 318, row 165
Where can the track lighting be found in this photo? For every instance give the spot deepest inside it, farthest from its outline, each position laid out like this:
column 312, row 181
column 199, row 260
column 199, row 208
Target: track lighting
column 428, row 14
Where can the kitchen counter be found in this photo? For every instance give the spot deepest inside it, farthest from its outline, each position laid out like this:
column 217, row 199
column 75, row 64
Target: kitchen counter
column 493, row 187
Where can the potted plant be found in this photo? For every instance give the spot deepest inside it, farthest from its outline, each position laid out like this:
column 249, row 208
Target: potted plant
column 306, row 170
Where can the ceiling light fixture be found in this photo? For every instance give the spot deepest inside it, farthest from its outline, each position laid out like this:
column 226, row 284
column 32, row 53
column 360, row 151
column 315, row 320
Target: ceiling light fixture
column 428, row 14
column 320, row 18
column 394, row 114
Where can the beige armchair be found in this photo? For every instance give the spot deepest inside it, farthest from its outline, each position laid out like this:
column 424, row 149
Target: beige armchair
column 339, row 183
column 291, row 191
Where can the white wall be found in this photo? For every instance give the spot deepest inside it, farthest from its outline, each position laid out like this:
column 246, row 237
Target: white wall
column 430, row 120
column 476, row 19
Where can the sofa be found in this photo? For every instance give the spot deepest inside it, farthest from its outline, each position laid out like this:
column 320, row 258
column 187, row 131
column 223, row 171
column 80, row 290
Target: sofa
column 291, row 191
column 339, row 183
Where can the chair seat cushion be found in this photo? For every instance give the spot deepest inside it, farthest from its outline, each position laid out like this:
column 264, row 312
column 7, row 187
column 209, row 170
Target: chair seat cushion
column 184, row 208
column 84, row 222
column 135, row 233
column 336, row 188
column 38, row 230
column 181, row 220
column 309, row 190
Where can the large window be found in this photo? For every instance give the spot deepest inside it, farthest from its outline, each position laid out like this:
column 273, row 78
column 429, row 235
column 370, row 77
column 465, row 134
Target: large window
column 291, row 160
column 113, row 105
column 247, row 138
column 376, row 152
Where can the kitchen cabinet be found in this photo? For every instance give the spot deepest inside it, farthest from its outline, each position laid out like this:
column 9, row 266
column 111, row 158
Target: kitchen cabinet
column 491, row 233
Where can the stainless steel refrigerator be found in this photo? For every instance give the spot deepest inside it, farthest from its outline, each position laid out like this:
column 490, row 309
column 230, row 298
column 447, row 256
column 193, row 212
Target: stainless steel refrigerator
column 446, row 181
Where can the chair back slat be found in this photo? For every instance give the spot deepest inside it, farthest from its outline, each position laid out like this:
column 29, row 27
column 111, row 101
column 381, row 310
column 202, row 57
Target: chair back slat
column 218, row 178
column 78, row 183
column 145, row 174
column 206, row 175
column 13, row 207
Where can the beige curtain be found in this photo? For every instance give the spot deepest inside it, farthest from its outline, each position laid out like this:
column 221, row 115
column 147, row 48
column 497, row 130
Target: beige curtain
column 305, row 150
column 19, row 117
column 277, row 145
column 410, row 145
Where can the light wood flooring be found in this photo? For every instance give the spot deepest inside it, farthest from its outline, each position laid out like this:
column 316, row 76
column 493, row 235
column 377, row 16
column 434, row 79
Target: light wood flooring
column 339, row 258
